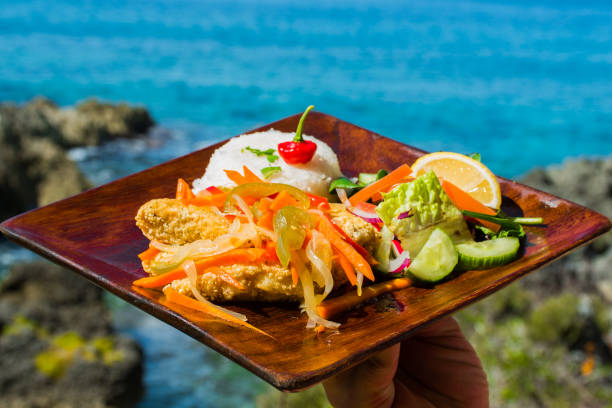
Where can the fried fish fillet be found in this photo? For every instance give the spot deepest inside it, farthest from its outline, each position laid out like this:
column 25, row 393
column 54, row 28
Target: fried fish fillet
column 171, row 222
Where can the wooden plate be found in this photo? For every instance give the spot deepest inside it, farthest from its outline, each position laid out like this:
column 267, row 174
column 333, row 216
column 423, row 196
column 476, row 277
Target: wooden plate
column 94, row 234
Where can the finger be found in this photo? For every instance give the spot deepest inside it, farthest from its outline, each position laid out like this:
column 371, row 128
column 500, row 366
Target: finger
column 439, row 364
column 368, row 384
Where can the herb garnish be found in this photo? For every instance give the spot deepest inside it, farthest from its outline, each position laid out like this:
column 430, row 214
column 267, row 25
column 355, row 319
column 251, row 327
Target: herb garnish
column 510, row 226
column 269, row 153
column 269, row 171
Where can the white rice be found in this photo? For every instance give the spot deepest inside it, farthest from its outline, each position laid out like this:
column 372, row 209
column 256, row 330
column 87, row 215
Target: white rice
column 313, row 177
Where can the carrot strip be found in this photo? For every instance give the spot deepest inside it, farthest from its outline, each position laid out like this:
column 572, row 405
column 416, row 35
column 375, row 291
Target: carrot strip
column 185, row 301
column 362, row 251
column 148, row 254
column 347, row 268
column 270, row 248
column 331, row 307
column 283, row 199
column 227, row 258
column 183, row 190
column 367, row 192
column 464, row 201
column 235, row 176
column 201, row 200
column 250, row 176
column 264, row 204
column 326, row 227
column 295, row 276
column 266, row 220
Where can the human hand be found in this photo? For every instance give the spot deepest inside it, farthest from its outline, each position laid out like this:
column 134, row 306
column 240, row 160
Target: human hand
column 436, row 367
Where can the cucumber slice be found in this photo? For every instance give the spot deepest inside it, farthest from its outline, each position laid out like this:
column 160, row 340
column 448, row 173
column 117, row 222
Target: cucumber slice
column 487, row 254
column 366, row 178
column 437, row 258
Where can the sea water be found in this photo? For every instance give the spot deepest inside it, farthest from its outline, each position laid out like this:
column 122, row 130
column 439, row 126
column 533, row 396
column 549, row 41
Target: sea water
column 524, row 84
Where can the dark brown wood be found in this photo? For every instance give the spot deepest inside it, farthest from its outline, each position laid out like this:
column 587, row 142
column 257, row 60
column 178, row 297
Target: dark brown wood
column 94, row 234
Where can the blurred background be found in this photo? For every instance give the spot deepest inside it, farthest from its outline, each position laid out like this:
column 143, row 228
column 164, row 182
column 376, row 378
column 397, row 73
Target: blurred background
column 92, row 91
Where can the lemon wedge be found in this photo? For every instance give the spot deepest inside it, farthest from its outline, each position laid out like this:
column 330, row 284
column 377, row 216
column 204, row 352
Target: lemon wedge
column 470, row 175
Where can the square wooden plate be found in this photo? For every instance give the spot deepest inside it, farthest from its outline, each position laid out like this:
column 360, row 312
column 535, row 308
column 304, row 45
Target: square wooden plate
column 94, row 234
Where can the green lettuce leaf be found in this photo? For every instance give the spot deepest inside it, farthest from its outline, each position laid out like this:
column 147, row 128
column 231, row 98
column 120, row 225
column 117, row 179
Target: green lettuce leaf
column 424, row 206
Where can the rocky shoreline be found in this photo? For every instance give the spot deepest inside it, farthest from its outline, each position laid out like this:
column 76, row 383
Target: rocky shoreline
column 57, row 342
column 35, row 137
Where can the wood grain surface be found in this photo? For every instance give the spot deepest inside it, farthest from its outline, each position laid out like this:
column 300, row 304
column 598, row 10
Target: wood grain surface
column 94, row 234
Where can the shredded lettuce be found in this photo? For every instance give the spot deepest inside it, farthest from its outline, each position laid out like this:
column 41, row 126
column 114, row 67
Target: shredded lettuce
column 428, row 207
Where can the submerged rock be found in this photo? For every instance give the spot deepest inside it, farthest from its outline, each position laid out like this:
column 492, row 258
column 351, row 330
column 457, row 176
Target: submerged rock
column 34, row 166
column 57, row 344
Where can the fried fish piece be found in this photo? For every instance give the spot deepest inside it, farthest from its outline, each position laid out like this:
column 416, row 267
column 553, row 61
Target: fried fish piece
column 260, row 282
column 170, row 221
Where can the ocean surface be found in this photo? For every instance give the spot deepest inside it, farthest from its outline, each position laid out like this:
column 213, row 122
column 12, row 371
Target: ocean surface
column 525, row 85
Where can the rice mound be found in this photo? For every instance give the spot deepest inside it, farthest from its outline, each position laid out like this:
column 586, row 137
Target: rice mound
column 313, row 177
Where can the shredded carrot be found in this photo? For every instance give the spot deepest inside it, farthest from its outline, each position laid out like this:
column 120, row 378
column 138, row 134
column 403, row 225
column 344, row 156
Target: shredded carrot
column 378, row 196
column 264, row 204
column 390, row 179
column 235, row 176
column 185, row 301
column 464, row 201
column 271, row 255
column 282, row 199
column 347, row 268
column 295, row 276
column 250, row 176
column 241, row 255
column 202, row 200
column 266, row 220
column 148, row 254
column 183, row 190
column 362, row 251
column 326, row 227
column 331, row 307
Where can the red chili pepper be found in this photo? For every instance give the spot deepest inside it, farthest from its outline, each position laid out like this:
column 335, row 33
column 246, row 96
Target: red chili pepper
column 298, row 151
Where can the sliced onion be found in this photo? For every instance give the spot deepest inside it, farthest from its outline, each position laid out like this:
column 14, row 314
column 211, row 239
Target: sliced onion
column 405, row 214
column 343, row 197
column 400, row 263
column 397, row 247
column 237, row 235
column 192, row 276
column 243, row 207
column 249, row 214
column 319, row 253
column 310, row 303
column 384, row 249
column 359, row 282
column 368, row 216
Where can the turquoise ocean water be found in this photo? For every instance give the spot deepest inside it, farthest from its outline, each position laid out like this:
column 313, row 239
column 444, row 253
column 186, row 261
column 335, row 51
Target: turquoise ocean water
column 524, row 84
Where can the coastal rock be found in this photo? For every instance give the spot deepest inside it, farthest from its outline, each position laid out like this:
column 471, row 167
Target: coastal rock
column 92, row 123
column 587, row 182
column 34, row 166
column 57, row 344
